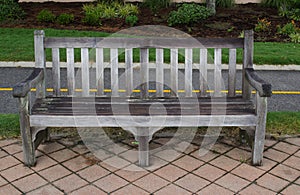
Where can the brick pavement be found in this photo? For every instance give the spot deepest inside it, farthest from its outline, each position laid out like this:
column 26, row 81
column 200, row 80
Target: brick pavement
column 66, row 167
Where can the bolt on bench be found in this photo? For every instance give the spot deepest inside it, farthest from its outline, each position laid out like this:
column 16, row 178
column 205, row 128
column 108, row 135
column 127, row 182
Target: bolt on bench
column 141, row 98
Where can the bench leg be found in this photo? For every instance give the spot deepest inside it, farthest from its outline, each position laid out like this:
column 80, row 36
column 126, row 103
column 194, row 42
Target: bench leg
column 143, row 150
column 259, row 137
column 28, row 146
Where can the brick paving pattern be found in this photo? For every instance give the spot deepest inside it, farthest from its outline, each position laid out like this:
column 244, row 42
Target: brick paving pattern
column 64, row 167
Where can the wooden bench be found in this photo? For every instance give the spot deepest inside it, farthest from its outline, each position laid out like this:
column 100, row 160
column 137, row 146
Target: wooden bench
column 166, row 94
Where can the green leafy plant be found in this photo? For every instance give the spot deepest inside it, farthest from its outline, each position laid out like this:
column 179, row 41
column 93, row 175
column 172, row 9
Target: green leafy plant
column 188, row 14
column 289, row 28
column 92, row 15
column 155, row 5
column 10, row 10
column 65, row 19
column 46, row 16
column 104, row 10
column 262, row 25
column 276, row 3
column 131, row 20
column 128, row 10
column 225, row 3
column 295, row 37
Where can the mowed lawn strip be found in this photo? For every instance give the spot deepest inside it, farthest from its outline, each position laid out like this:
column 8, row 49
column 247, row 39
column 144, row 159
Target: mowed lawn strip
column 17, row 45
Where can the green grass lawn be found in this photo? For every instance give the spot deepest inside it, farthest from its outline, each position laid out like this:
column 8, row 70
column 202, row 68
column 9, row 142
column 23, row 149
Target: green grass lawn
column 278, row 124
column 17, row 45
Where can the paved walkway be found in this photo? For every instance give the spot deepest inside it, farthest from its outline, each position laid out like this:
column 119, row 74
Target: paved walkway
column 67, row 166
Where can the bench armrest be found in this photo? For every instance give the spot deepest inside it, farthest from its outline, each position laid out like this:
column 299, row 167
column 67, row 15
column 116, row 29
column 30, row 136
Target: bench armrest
column 21, row 89
column 264, row 89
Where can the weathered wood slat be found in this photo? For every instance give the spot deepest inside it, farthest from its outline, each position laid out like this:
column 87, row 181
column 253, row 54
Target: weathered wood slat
column 174, row 70
column 129, row 71
column 100, row 71
column 247, row 61
column 154, row 42
column 218, row 72
column 85, row 78
column 232, row 73
column 56, row 71
column 70, row 71
column 159, row 72
column 203, row 72
column 144, row 60
column 188, row 72
column 142, row 121
column 114, row 72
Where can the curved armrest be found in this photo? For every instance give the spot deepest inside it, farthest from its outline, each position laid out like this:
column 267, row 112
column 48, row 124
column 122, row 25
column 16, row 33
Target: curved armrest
column 21, row 89
column 264, row 89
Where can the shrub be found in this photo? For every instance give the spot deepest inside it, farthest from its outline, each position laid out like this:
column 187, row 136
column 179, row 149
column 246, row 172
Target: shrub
column 92, row 15
column 10, row 10
column 128, row 10
column 225, row 3
column 276, row 3
column 155, row 5
column 295, row 37
column 262, row 25
column 288, row 29
column 131, row 20
column 188, row 14
column 65, row 19
column 46, row 16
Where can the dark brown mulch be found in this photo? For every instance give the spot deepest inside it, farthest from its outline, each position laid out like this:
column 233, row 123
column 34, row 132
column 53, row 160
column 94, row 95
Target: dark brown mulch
column 228, row 22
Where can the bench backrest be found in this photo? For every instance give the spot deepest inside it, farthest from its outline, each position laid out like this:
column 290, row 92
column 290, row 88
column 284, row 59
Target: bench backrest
column 108, row 66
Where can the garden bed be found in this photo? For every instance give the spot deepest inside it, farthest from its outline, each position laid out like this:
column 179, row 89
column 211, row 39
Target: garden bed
column 228, row 22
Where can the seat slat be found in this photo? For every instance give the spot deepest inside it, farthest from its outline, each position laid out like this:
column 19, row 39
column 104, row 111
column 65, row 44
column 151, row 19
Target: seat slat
column 70, row 71
column 56, row 71
column 99, row 71
column 85, row 71
column 159, row 72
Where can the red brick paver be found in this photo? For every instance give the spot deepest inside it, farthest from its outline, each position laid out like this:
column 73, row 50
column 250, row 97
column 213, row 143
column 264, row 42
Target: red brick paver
column 66, row 168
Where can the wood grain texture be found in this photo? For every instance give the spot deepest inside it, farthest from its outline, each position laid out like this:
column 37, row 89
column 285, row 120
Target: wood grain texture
column 114, row 72
column 174, row 70
column 203, row 72
column 232, row 73
column 188, row 69
column 144, row 60
column 218, row 80
column 56, row 71
column 70, row 71
column 159, row 72
column 100, row 71
column 85, row 77
column 129, row 71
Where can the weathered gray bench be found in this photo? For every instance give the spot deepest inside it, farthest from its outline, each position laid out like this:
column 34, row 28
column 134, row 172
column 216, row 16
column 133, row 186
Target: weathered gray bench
column 130, row 97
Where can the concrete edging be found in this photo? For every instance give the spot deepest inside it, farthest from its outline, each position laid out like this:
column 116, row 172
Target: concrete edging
column 256, row 67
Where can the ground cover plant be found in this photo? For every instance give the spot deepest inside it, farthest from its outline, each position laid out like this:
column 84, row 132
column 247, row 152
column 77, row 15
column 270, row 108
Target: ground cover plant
column 10, row 11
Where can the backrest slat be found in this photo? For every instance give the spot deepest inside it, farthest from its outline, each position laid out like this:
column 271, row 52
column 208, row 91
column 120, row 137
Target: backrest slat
column 232, row 73
column 188, row 72
column 174, row 70
column 203, row 72
column 114, row 72
column 70, row 71
column 218, row 72
column 159, row 72
column 85, row 71
column 99, row 71
column 144, row 55
column 56, row 71
column 129, row 71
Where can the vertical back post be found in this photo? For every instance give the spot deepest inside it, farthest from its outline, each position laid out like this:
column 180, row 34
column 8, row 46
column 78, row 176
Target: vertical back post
column 248, row 61
column 40, row 59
